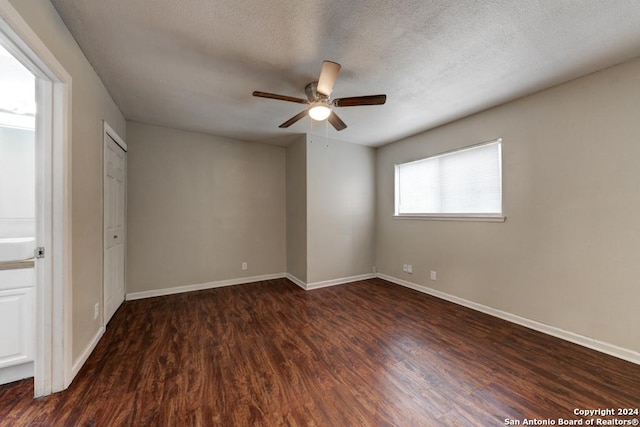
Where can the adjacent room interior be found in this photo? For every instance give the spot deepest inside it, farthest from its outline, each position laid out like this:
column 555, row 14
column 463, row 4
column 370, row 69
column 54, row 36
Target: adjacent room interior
column 455, row 242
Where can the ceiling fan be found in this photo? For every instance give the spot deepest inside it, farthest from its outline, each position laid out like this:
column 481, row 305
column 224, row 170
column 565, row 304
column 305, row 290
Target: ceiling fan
column 320, row 105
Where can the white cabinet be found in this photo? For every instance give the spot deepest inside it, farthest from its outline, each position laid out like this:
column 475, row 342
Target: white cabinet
column 17, row 324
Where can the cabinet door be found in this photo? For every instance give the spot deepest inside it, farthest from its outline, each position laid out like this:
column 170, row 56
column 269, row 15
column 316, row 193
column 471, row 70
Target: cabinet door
column 16, row 326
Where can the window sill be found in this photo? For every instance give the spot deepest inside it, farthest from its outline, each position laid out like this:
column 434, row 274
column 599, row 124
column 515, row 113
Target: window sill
column 475, row 218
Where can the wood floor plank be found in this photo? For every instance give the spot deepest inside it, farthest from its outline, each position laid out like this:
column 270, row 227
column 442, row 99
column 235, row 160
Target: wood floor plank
column 368, row 353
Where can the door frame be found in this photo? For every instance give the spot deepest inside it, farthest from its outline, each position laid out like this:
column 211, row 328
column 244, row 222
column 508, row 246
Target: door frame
column 109, row 132
column 54, row 333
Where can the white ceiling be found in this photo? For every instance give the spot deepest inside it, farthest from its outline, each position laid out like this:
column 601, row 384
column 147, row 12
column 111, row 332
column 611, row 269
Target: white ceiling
column 193, row 64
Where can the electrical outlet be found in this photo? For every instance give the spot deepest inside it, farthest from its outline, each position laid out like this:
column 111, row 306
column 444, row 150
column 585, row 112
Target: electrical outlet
column 434, row 275
column 409, row 268
column 96, row 310
column 404, row 267
column 244, row 266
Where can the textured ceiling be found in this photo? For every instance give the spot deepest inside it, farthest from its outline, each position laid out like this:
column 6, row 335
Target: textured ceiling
column 193, row 64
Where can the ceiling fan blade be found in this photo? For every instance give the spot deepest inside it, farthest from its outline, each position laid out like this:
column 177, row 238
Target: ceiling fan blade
column 336, row 121
column 294, row 119
column 280, row 97
column 355, row 101
column 328, row 76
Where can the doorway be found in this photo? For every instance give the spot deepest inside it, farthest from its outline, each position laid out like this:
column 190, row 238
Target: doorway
column 17, row 218
column 51, row 311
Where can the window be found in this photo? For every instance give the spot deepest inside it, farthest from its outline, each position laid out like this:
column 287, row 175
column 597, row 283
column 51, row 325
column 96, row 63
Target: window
column 463, row 184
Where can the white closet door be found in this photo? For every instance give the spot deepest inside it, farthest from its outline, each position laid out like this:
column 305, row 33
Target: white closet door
column 114, row 226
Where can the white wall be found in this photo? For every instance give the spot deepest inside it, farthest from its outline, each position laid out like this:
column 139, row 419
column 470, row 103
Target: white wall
column 91, row 104
column 199, row 206
column 340, row 209
column 567, row 255
column 297, row 208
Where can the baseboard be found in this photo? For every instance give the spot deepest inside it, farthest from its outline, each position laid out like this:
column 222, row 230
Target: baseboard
column 202, row 286
column 601, row 346
column 79, row 363
column 297, row 281
column 327, row 283
column 340, row 281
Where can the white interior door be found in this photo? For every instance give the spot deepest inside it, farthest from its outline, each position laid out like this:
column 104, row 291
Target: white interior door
column 115, row 160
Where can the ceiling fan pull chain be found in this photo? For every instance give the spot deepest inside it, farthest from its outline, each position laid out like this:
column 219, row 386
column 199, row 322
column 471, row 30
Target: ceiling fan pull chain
column 326, row 132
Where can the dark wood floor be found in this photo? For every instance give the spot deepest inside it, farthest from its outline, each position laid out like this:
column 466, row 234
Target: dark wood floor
column 364, row 354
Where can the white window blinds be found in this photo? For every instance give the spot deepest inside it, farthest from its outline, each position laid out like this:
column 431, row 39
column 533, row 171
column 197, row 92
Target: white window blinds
column 465, row 182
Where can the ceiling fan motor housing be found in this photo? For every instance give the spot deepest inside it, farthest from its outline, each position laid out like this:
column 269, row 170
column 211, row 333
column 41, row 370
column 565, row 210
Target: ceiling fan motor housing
column 312, row 93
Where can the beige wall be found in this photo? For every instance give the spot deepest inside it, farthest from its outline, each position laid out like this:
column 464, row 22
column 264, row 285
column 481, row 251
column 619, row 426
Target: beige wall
column 200, row 205
column 297, row 208
column 340, row 209
column 567, row 256
column 91, row 104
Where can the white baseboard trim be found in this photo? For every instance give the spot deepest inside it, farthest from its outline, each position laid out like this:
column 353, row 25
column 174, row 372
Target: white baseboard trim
column 327, row 283
column 601, row 346
column 340, row 281
column 79, row 363
column 297, row 281
column 201, row 286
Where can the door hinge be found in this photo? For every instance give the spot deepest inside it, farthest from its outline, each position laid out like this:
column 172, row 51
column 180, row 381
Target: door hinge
column 39, row 252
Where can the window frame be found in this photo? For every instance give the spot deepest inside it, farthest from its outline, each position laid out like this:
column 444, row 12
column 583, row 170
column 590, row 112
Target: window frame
column 486, row 217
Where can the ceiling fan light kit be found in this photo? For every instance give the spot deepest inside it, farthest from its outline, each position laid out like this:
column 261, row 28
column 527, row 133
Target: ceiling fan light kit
column 320, row 106
column 319, row 111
